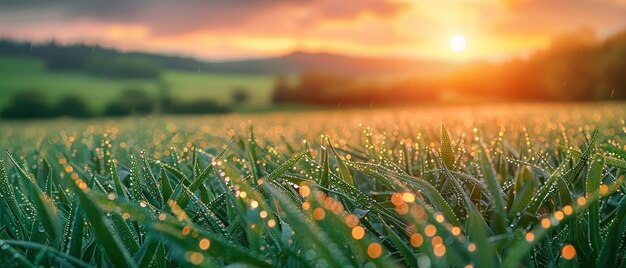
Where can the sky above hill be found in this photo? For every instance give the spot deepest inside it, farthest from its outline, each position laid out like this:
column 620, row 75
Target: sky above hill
column 225, row 29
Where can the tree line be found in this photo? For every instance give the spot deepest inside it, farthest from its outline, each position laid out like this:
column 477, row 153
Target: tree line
column 31, row 104
column 576, row 67
column 97, row 60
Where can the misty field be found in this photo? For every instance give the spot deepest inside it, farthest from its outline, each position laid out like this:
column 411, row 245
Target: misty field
column 19, row 74
column 531, row 185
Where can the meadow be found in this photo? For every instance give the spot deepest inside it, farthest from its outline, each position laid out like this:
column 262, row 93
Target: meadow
column 530, row 185
column 18, row 74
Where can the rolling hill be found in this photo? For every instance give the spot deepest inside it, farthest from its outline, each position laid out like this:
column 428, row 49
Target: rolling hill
column 76, row 55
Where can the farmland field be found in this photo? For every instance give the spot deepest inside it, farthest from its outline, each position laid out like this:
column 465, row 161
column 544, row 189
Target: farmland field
column 19, row 74
column 532, row 185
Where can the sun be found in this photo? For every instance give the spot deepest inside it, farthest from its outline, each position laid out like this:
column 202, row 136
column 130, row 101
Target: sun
column 458, row 43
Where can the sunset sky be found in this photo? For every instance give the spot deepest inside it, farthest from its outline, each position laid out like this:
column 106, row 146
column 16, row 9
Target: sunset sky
column 226, row 29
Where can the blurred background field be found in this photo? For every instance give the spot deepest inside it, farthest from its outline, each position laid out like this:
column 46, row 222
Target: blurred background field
column 20, row 74
column 82, row 80
column 542, row 122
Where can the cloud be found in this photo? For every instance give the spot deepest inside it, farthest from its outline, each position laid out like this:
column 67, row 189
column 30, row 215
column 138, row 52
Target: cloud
column 164, row 17
column 238, row 28
column 561, row 16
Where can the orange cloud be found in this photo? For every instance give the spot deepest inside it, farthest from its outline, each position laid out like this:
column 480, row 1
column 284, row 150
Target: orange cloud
column 245, row 28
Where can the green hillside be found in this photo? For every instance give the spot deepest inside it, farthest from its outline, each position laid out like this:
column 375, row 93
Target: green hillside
column 21, row 74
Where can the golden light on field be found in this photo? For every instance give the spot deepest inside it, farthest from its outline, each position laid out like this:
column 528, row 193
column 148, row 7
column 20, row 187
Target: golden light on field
column 416, row 240
column 304, row 190
column 458, row 43
column 430, row 230
column 437, row 240
column 352, row 220
column 568, row 252
column 319, row 214
column 374, row 250
column 439, row 250
column 456, row 230
column 358, row 232
column 530, row 236
column 559, row 215
column 604, row 189
column 567, row 210
column 204, row 244
column 425, row 227
column 408, row 197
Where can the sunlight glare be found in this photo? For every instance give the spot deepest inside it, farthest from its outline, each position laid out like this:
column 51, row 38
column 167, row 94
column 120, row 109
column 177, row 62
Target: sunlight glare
column 458, row 43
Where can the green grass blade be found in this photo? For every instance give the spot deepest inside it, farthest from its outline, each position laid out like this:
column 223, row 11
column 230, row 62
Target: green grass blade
column 103, row 231
column 344, row 172
column 447, row 153
column 484, row 255
column 594, row 177
column 620, row 153
column 407, row 253
column 183, row 197
column 609, row 252
column 9, row 252
column 155, row 193
column 313, row 238
column 425, row 188
column 117, row 183
column 53, row 252
column 522, row 198
column 128, row 238
column 217, row 246
column 7, row 194
column 145, row 255
column 73, row 231
column 166, row 187
column 30, row 181
column 493, row 184
column 47, row 212
column 286, row 165
column 135, row 180
column 325, row 172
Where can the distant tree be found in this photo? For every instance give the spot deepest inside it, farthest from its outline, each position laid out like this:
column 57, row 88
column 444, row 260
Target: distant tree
column 199, row 107
column 125, row 66
column 131, row 101
column 282, row 91
column 73, row 106
column 240, row 95
column 165, row 100
column 61, row 58
column 610, row 69
column 567, row 69
column 28, row 104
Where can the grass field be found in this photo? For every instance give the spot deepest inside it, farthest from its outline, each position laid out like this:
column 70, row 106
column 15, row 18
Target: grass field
column 531, row 185
column 19, row 74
